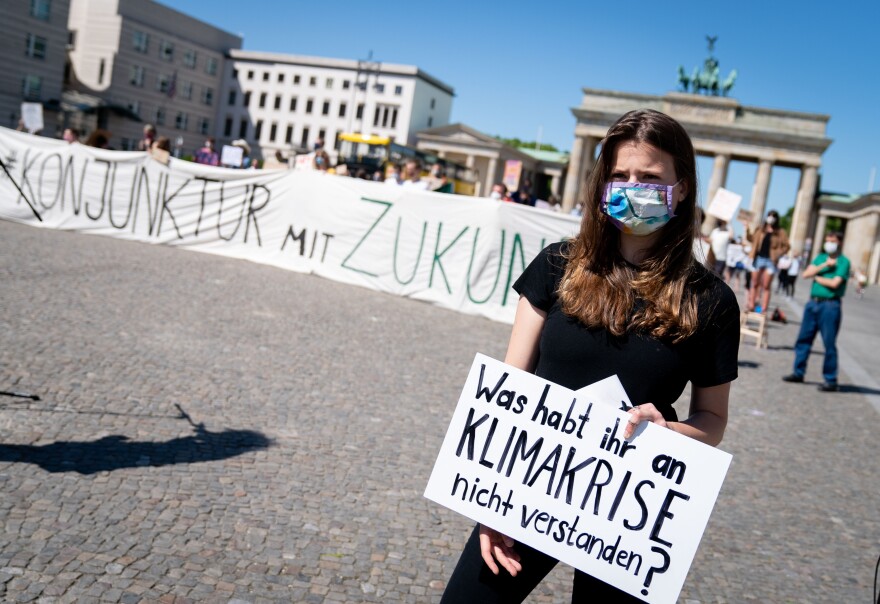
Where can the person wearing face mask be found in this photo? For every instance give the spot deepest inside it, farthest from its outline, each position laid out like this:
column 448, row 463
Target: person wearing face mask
column 822, row 314
column 624, row 297
column 499, row 193
column 768, row 244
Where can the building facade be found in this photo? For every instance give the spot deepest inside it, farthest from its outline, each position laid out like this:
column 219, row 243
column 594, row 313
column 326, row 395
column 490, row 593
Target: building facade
column 149, row 64
column 279, row 102
column 33, row 42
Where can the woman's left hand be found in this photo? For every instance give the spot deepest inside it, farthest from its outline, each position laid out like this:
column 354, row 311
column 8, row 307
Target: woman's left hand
column 647, row 412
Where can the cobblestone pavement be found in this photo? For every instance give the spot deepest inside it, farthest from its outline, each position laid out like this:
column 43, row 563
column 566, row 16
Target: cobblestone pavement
column 214, row 430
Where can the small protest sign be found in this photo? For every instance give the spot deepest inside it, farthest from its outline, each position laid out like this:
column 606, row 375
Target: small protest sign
column 549, row 467
column 512, row 173
column 231, row 156
column 32, row 116
column 724, row 204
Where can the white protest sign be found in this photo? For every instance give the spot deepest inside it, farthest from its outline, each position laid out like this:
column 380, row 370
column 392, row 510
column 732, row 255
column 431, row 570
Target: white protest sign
column 32, row 116
column 231, row 156
column 549, row 467
column 724, row 204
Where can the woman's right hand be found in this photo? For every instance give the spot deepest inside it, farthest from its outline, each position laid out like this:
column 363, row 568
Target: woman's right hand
column 495, row 546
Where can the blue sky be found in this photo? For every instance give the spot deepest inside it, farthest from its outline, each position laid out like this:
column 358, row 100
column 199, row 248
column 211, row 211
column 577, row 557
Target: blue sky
column 518, row 67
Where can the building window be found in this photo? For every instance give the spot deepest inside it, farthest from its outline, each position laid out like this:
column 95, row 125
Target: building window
column 263, row 96
column 189, row 58
column 246, row 102
column 293, row 103
column 321, row 134
column 41, row 9
column 430, row 121
column 313, row 81
column 186, row 90
column 162, row 82
column 227, row 126
column 280, row 78
column 377, row 115
column 359, row 114
column 265, row 76
column 288, row 136
column 204, row 125
column 166, row 50
column 296, row 79
column 398, row 90
column 304, row 139
column 325, row 108
column 243, row 128
column 341, row 109
column 160, row 116
column 126, row 144
column 277, row 101
column 250, row 75
column 31, row 87
column 231, row 100
column 71, row 40
column 380, row 88
column 394, row 118
column 208, row 96
column 234, row 74
column 140, row 41
column 134, row 107
column 309, row 104
column 102, row 67
column 273, row 132
column 211, row 66
column 346, row 84
column 258, row 130
column 181, row 120
column 35, row 46
column 136, row 76
column 329, row 83
column 433, row 103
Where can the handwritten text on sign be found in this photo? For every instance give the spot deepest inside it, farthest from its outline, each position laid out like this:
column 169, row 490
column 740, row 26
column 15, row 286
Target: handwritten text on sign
column 550, row 467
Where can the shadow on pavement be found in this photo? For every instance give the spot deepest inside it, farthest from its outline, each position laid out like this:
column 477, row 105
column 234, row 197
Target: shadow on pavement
column 117, row 451
column 851, row 388
column 748, row 364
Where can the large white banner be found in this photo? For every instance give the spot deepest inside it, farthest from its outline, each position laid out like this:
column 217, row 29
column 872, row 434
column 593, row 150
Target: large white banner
column 550, row 467
column 458, row 252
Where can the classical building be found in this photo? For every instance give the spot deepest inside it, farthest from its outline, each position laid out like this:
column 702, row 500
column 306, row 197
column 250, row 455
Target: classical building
column 720, row 128
column 486, row 157
column 33, row 42
column 147, row 63
column 860, row 215
column 281, row 102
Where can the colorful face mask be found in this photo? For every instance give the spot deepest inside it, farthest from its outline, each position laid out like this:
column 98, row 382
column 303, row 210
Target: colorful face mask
column 638, row 208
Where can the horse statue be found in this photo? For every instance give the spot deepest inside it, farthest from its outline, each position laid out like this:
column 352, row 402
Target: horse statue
column 727, row 84
column 683, row 79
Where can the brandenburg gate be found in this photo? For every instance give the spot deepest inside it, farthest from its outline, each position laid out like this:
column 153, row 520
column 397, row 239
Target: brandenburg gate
column 720, row 128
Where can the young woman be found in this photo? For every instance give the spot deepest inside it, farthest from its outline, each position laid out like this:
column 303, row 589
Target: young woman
column 769, row 243
column 624, row 297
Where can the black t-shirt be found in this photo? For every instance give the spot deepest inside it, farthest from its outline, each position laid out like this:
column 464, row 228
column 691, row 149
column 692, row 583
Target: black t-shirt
column 651, row 370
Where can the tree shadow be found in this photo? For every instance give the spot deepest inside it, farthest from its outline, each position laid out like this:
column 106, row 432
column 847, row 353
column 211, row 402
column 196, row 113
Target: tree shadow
column 116, row 451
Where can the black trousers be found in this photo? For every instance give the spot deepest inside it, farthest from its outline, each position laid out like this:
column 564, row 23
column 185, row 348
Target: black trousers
column 473, row 583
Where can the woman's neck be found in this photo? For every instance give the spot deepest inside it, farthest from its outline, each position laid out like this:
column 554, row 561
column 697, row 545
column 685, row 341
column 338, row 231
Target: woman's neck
column 634, row 248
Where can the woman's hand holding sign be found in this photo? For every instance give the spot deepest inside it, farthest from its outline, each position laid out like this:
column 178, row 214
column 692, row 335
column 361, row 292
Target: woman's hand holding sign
column 646, row 412
column 495, row 546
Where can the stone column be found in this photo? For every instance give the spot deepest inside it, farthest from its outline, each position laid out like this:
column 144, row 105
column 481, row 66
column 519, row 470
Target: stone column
column 803, row 207
column 818, row 236
column 489, row 180
column 760, row 189
column 718, row 180
column 572, row 178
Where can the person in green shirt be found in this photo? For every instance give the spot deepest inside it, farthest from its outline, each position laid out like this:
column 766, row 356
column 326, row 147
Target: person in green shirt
column 830, row 271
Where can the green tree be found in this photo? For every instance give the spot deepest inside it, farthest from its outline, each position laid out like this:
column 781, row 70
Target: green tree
column 785, row 221
column 520, row 144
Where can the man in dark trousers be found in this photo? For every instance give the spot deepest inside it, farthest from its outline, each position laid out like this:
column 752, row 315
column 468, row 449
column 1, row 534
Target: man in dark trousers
column 830, row 271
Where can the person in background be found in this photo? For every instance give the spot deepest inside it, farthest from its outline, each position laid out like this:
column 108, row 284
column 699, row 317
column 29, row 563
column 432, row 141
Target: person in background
column 768, row 244
column 499, row 192
column 146, row 143
column 99, row 139
column 793, row 272
column 523, row 195
column 412, row 176
column 719, row 240
column 822, row 314
column 321, row 161
column 392, row 177
column 70, row 135
column 624, row 297
column 207, row 155
column 782, row 266
column 735, row 267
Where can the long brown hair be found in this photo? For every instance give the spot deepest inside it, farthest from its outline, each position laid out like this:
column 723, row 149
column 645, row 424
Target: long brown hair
column 599, row 287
